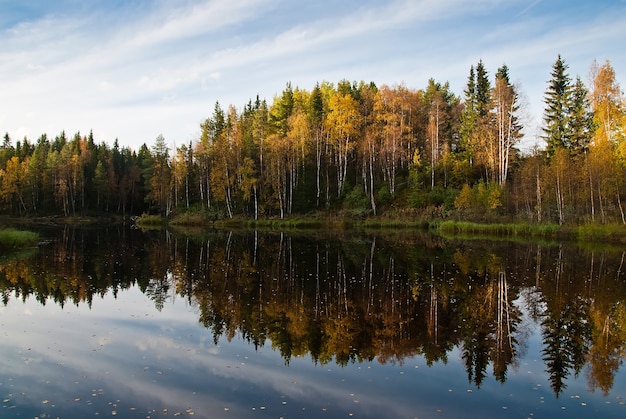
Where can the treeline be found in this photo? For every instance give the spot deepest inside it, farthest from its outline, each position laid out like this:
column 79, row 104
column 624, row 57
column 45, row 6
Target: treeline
column 352, row 147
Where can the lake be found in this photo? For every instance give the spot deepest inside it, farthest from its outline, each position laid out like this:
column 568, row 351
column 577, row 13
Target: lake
column 101, row 322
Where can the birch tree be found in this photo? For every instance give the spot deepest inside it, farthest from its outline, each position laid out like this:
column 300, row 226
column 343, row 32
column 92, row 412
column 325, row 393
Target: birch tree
column 342, row 123
column 508, row 128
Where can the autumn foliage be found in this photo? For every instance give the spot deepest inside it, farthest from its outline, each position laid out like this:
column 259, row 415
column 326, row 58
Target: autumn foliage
column 354, row 148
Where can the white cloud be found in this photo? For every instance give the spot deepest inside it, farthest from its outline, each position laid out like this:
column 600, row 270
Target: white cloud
column 134, row 73
column 180, row 23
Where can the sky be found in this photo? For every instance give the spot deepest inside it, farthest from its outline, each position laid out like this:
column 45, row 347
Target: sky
column 133, row 70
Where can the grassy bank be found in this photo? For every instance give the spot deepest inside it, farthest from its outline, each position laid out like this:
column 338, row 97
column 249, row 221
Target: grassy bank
column 501, row 229
column 610, row 233
column 151, row 221
column 12, row 239
column 614, row 233
column 324, row 222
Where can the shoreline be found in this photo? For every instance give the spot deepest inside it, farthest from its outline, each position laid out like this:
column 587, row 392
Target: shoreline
column 609, row 233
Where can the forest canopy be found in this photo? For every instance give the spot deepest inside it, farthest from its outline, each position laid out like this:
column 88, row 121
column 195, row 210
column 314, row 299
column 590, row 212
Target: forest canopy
column 355, row 148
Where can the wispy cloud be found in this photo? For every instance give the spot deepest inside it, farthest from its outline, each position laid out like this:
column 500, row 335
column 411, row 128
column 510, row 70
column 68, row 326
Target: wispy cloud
column 136, row 69
column 530, row 6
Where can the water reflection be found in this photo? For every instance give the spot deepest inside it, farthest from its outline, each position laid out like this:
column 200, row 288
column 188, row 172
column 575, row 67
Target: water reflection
column 345, row 299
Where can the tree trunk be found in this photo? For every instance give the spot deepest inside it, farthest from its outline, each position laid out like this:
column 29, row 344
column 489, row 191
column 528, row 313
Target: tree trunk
column 559, row 200
column 621, row 210
column 371, row 164
column 538, row 205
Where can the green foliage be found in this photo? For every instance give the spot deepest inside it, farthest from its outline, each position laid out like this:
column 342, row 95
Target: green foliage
column 439, row 196
column 615, row 233
column 356, row 199
column 581, row 120
column 383, row 195
column 150, row 221
column 500, row 230
column 11, row 239
column 478, row 199
column 558, row 100
column 417, row 198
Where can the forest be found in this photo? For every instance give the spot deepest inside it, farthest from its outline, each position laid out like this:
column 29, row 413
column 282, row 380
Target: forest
column 354, row 149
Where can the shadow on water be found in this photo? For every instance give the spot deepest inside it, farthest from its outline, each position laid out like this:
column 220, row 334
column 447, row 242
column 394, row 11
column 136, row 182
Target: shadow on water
column 344, row 299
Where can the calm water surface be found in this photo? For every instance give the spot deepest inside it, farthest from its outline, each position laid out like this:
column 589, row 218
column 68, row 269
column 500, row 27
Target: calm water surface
column 117, row 322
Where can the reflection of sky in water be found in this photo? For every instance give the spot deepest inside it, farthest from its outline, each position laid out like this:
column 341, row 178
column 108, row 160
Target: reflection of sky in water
column 122, row 356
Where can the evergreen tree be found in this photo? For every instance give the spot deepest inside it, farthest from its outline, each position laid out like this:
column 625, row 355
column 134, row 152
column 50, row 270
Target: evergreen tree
column 469, row 114
column 483, row 91
column 6, row 151
column 558, row 100
column 281, row 110
column 581, row 125
column 476, row 122
column 160, row 180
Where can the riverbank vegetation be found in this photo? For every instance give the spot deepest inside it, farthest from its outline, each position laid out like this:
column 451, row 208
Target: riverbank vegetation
column 12, row 239
column 352, row 152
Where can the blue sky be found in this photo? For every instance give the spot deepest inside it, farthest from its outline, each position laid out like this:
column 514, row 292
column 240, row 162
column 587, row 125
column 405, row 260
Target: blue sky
column 135, row 69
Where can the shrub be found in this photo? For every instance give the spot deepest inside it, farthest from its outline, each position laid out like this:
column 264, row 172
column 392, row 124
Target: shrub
column 356, row 199
column 15, row 239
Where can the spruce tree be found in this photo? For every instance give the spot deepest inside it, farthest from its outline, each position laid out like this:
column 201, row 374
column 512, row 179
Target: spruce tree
column 581, row 125
column 469, row 115
column 558, row 100
column 483, row 90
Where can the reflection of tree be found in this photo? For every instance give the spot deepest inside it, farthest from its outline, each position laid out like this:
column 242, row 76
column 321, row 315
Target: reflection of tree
column 566, row 339
column 609, row 347
column 157, row 290
column 507, row 319
column 347, row 300
column 489, row 318
column 565, row 327
column 475, row 332
column 75, row 265
column 608, row 321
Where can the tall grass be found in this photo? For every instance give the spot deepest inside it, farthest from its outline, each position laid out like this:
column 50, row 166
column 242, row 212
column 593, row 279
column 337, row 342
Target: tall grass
column 150, row 221
column 11, row 238
column 614, row 233
column 501, row 230
column 190, row 219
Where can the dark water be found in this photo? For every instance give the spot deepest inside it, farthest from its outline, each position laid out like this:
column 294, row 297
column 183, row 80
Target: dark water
column 117, row 322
